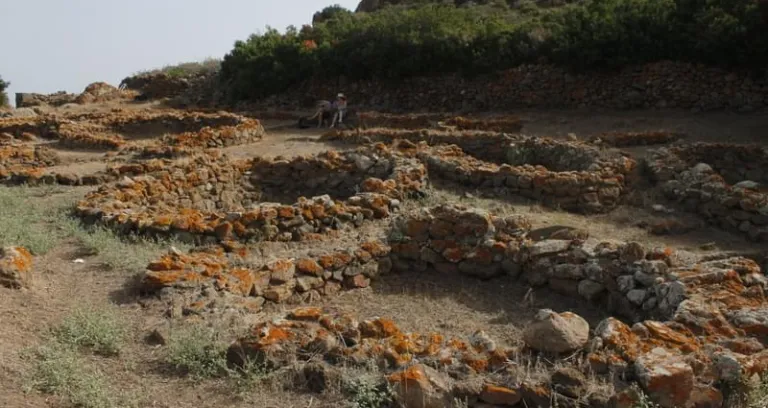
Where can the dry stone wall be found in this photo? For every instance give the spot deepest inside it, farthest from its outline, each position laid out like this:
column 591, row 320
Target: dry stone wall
column 658, row 85
column 629, row 279
column 687, row 177
column 211, row 199
column 487, row 145
column 597, row 188
column 343, row 174
column 252, row 284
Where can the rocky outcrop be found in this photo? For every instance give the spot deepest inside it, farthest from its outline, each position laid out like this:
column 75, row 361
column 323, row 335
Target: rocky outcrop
column 28, row 100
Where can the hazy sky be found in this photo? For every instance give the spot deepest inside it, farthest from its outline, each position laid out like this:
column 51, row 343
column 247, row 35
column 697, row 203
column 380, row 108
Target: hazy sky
column 53, row 45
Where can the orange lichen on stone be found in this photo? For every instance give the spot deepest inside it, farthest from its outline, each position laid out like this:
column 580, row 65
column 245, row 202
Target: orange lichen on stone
column 375, row 248
column 663, row 336
column 496, row 395
column 479, row 364
column 379, row 328
column 335, row 261
column 306, row 313
column 411, row 374
column 309, row 267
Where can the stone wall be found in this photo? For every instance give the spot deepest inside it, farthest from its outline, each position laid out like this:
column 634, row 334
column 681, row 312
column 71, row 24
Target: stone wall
column 157, row 85
column 631, row 280
column 596, row 188
column 340, row 174
column 658, row 85
column 491, row 146
column 281, row 280
column 211, row 199
column 686, row 177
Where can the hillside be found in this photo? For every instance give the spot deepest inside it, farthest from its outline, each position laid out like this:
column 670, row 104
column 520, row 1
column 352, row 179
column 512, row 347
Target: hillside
column 429, row 39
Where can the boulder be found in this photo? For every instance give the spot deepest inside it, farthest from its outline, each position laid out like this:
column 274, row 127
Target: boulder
column 556, row 332
column 15, row 267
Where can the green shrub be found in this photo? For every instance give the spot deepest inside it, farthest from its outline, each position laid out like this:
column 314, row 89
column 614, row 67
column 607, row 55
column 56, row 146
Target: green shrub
column 399, row 42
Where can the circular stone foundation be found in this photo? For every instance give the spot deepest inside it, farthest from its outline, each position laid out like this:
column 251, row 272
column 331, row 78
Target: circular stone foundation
column 209, row 198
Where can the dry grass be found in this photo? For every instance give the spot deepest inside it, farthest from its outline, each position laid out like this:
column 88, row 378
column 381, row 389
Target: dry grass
column 60, row 366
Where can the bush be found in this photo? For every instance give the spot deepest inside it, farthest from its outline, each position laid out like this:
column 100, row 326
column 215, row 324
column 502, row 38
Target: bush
column 3, row 96
column 424, row 39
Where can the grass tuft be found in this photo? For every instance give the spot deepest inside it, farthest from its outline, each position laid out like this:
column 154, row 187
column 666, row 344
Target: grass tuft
column 59, row 370
column 196, row 352
column 366, row 393
column 98, row 330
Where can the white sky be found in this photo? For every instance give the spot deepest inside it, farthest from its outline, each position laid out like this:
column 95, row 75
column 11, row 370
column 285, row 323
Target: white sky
column 53, row 45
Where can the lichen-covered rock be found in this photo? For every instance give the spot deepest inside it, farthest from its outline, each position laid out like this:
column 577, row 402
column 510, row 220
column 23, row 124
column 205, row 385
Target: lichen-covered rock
column 556, row 332
column 15, row 267
column 420, row 386
column 500, row 396
column 666, row 377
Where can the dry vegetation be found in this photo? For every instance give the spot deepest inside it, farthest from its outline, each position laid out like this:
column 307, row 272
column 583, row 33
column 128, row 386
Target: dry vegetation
column 89, row 331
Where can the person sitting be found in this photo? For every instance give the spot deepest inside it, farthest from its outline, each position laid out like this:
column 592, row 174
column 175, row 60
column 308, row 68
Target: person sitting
column 340, row 107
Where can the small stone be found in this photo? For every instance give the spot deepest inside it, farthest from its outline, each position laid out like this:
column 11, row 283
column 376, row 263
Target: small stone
column 632, row 252
column 590, row 290
column 569, row 382
column 283, row 270
column 625, row 283
column 158, row 336
column 500, row 396
column 556, row 333
column 637, row 296
column 549, row 247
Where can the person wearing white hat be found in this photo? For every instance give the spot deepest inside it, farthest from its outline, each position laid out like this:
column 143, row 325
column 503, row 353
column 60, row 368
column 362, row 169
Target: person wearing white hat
column 341, row 108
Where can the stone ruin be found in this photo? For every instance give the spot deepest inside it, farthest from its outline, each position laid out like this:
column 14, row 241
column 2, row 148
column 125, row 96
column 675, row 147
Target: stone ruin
column 689, row 329
column 93, row 93
column 685, row 330
column 177, row 135
column 725, row 184
column 211, row 199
